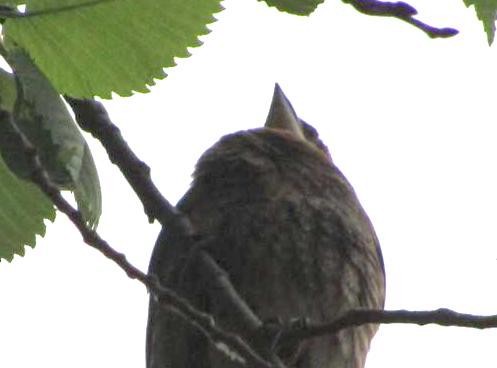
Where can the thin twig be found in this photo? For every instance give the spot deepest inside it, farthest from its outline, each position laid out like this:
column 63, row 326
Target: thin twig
column 92, row 117
column 224, row 293
column 402, row 11
column 225, row 296
column 354, row 318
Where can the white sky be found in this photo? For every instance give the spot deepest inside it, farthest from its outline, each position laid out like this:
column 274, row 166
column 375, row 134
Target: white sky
column 408, row 119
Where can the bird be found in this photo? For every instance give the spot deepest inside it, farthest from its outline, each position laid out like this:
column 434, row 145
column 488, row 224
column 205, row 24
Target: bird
column 286, row 226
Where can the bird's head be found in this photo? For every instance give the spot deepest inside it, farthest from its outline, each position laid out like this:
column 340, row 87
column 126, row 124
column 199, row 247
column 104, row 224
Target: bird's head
column 283, row 119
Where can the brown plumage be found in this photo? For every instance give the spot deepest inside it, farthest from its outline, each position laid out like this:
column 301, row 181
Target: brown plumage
column 287, row 227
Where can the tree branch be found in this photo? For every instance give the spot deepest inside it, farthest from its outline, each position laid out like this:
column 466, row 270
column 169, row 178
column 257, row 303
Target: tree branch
column 402, row 11
column 226, row 298
column 354, row 318
column 92, row 117
column 224, row 293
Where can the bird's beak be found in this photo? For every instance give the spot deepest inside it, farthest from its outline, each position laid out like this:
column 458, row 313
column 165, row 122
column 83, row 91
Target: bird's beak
column 282, row 115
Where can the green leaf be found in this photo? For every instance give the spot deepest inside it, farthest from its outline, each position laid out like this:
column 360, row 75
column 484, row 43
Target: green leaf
column 98, row 47
column 299, row 7
column 44, row 119
column 23, row 207
column 7, row 90
column 486, row 10
column 13, row 2
column 87, row 190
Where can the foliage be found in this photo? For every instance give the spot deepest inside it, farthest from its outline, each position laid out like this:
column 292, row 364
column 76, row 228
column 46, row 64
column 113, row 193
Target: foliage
column 94, row 48
column 87, row 48
column 486, row 10
column 22, row 213
column 42, row 117
column 300, row 7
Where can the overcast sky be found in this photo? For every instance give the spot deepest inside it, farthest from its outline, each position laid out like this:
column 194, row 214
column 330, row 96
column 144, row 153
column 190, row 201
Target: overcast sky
column 409, row 120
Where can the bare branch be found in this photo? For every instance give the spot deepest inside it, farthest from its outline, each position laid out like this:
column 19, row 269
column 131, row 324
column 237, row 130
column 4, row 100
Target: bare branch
column 402, row 11
column 92, row 117
column 226, row 298
column 354, row 318
column 224, row 293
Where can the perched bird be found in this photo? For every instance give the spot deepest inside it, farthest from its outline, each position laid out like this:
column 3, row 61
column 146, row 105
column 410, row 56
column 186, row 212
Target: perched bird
column 287, row 227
